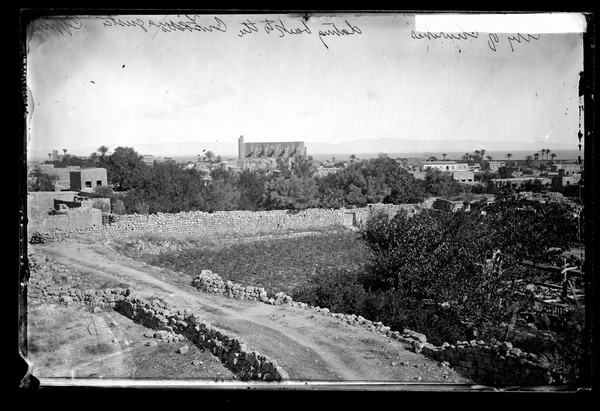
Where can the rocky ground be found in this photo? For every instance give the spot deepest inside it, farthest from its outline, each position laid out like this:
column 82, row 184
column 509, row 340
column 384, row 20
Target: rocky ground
column 68, row 342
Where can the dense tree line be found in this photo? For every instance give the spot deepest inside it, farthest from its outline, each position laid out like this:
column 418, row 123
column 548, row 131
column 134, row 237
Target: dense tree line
column 170, row 187
column 455, row 275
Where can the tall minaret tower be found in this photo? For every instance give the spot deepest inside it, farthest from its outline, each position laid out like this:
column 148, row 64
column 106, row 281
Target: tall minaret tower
column 241, row 148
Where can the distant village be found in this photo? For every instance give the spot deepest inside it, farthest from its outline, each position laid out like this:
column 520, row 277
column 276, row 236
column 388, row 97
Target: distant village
column 542, row 167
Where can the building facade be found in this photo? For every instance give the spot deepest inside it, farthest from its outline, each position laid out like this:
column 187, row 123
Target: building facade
column 518, row 182
column 464, row 176
column 567, row 169
column 446, row 165
column 493, row 166
column 88, row 178
column 258, row 154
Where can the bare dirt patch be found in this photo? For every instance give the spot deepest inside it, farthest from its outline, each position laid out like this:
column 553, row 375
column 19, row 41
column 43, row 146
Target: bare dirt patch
column 67, row 342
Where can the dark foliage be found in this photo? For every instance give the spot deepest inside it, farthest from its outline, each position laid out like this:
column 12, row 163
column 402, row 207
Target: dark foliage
column 278, row 265
column 40, row 181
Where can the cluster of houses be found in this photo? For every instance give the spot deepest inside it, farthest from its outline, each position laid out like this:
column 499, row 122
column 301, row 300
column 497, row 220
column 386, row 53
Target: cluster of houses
column 560, row 174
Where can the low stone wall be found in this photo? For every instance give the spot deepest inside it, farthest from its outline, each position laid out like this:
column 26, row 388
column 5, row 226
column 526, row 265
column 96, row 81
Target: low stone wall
column 157, row 315
column 74, row 220
column 228, row 224
column 495, row 363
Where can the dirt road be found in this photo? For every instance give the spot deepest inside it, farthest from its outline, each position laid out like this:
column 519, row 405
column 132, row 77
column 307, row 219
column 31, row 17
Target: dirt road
column 308, row 345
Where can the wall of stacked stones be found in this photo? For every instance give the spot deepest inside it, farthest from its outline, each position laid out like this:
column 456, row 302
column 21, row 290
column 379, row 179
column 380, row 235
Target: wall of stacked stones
column 242, row 223
column 166, row 319
column 495, row 363
column 39, row 203
column 74, row 220
column 225, row 224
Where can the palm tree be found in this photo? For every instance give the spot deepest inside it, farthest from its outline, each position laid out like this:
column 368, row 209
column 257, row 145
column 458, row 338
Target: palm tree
column 509, row 156
column 543, row 151
column 353, row 158
column 489, row 158
column 466, row 157
column 536, row 156
column 103, row 150
column 40, row 181
column 476, row 156
column 482, row 151
column 444, row 154
column 528, row 160
column 36, row 173
column 553, row 156
column 547, row 153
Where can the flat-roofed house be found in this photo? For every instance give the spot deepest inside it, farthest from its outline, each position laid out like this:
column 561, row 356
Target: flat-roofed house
column 88, row 178
column 446, row 165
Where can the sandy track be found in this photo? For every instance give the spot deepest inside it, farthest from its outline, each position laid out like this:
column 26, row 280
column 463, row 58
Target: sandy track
column 308, row 345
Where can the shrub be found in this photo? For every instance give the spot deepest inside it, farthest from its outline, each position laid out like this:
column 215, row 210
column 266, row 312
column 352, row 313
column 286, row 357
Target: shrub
column 342, row 291
column 337, row 289
column 141, row 207
column 103, row 192
column 102, row 206
column 118, row 207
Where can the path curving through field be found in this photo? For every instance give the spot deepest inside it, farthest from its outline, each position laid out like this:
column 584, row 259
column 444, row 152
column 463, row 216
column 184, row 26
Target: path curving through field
column 308, row 345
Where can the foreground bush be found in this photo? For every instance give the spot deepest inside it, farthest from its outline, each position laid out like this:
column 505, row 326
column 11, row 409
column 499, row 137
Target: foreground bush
column 343, row 291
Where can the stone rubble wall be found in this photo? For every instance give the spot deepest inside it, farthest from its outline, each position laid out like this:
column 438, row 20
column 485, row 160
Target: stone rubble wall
column 222, row 224
column 495, row 363
column 167, row 320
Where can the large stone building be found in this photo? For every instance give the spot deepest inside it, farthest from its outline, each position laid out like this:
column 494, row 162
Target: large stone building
column 265, row 154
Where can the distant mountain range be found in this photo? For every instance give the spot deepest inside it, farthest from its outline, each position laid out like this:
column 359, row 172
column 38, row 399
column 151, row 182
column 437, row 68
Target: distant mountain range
column 389, row 145
column 357, row 147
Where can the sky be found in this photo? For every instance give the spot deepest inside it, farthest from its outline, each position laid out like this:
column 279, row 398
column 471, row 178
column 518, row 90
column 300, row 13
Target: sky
column 148, row 79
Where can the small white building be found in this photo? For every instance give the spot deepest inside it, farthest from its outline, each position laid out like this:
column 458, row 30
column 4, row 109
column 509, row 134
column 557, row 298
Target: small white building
column 88, row 178
column 464, row 176
column 446, row 165
column 324, row 171
column 495, row 165
column 568, row 169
